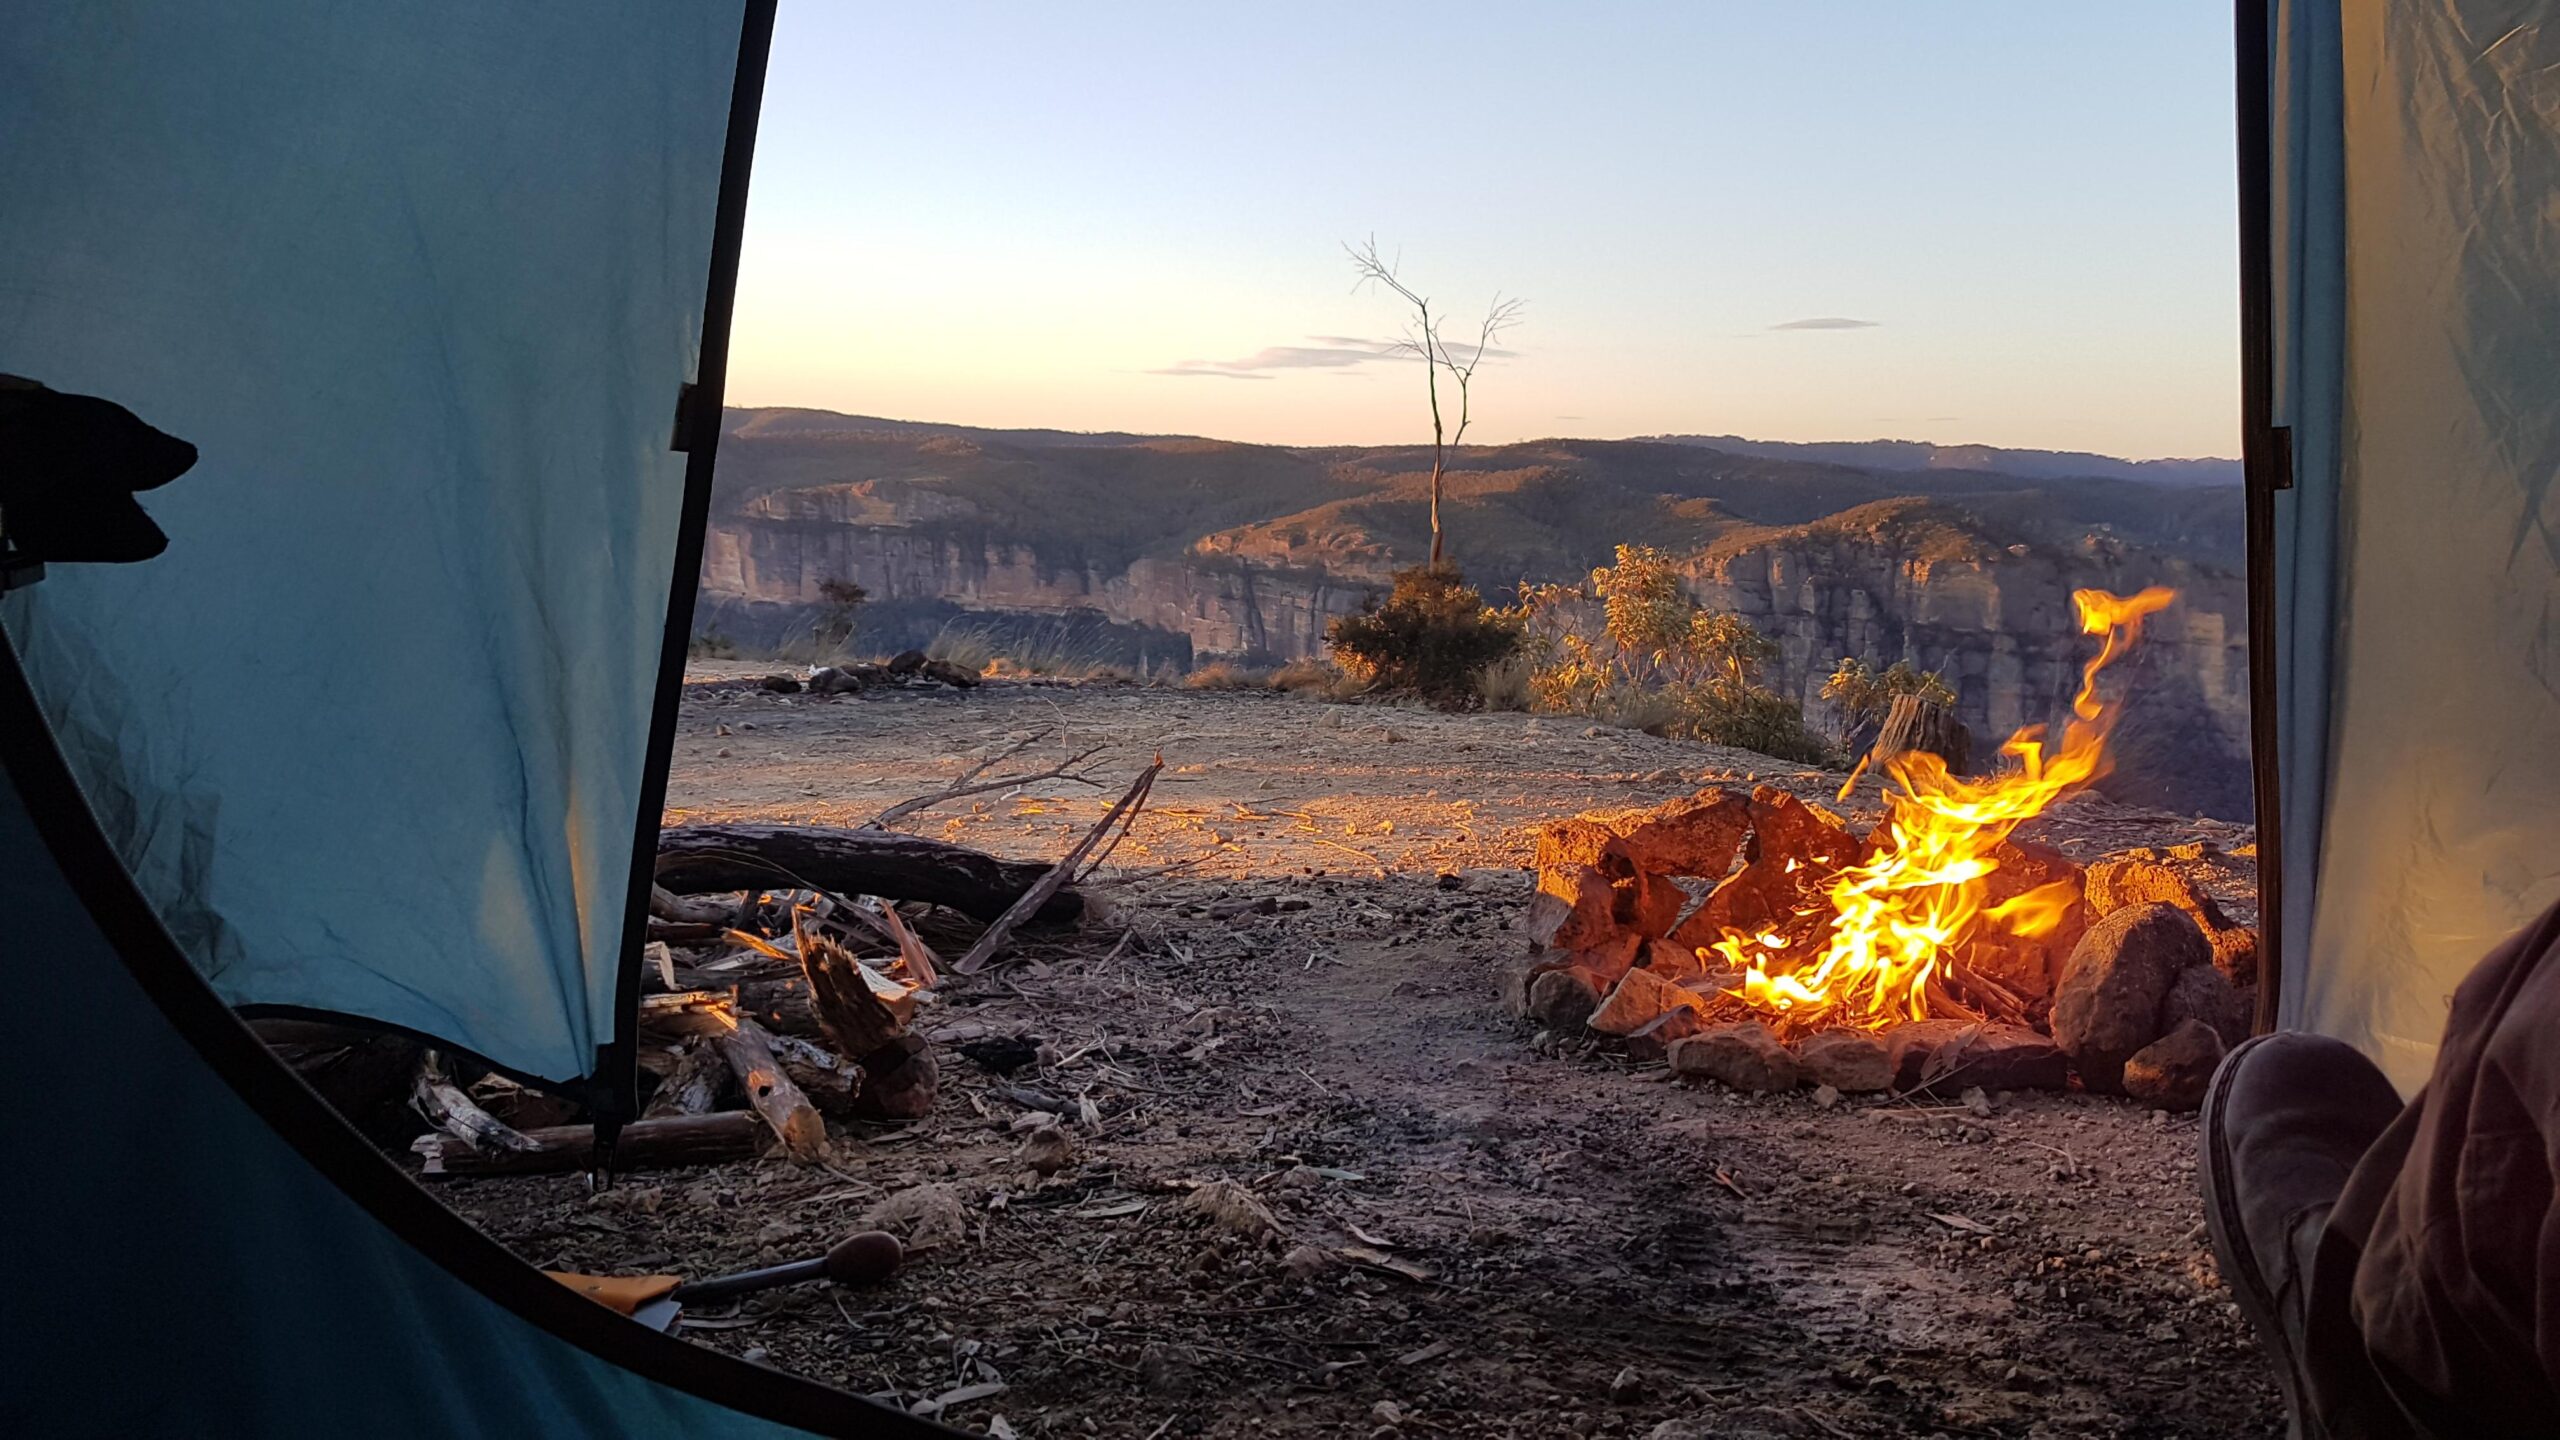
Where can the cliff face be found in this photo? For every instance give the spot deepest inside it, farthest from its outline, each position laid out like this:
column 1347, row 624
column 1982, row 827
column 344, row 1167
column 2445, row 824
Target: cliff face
column 1219, row 606
column 2002, row 630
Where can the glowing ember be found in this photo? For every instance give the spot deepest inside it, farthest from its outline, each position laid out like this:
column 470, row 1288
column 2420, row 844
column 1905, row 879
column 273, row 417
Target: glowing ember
column 1900, row 917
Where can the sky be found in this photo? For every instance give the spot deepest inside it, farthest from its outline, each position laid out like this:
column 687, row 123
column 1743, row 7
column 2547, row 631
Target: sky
column 1964, row 221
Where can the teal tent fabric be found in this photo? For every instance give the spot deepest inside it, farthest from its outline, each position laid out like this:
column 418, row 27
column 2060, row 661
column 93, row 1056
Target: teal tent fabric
column 2419, row 597
column 422, row 281
column 182, row 1268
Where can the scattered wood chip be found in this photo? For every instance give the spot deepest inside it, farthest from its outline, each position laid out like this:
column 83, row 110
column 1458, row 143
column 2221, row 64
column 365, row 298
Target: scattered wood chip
column 1426, row 1354
column 1112, row 1211
column 1230, row 1206
column 1726, row 1180
column 983, row 1390
column 1377, row 1259
column 1959, row 1222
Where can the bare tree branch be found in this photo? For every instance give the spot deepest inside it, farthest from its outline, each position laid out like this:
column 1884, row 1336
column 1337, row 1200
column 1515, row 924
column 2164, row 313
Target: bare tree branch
column 1423, row 339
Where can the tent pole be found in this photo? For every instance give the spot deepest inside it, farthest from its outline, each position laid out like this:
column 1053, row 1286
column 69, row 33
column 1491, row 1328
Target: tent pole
column 2266, row 466
column 615, row 1093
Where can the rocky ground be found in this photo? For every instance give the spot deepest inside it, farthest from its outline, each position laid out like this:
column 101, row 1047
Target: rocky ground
column 1454, row 1229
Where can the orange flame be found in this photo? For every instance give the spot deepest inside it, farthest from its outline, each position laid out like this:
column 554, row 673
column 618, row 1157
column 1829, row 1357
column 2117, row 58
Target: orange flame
column 1900, row 917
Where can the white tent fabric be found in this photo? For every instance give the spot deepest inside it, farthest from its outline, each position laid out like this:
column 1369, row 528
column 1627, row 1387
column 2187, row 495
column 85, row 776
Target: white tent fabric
column 421, row 281
column 2419, row 598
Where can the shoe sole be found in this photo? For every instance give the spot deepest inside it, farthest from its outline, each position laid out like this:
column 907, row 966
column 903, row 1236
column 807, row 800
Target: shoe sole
column 2248, row 1283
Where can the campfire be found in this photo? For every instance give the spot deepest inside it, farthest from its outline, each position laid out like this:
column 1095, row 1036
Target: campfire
column 1935, row 948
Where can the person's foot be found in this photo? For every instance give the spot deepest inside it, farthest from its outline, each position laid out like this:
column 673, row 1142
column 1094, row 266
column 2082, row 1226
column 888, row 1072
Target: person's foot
column 2285, row 1119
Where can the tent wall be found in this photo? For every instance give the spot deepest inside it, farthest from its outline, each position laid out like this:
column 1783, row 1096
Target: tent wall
column 422, row 281
column 2417, row 263
column 205, row 1249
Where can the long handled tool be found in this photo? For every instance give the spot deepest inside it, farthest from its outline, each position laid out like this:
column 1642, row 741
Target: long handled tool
column 864, row 1258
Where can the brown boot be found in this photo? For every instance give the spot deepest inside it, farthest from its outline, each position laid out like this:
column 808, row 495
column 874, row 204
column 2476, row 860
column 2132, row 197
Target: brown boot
column 2285, row 1120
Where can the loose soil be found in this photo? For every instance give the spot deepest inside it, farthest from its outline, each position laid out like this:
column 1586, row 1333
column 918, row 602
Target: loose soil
column 1293, row 991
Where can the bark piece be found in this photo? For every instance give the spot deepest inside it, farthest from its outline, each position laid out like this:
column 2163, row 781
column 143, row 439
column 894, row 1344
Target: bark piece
column 1745, row 1055
column 793, row 1119
column 832, row 1083
column 644, row 1145
column 2171, row 1072
column 901, row 1081
column 692, row 1085
column 2108, row 1005
column 743, row 856
column 1852, row 1062
column 1945, row 1057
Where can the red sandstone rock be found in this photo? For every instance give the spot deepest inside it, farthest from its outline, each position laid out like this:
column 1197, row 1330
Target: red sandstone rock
column 2118, row 883
column 2108, row 1005
column 2202, row 993
column 1637, row 1000
column 1744, row 1055
column 1561, row 1000
column 1852, row 1062
column 1943, row 1057
column 2171, row 1072
column 1653, row 1040
column 1574, row 908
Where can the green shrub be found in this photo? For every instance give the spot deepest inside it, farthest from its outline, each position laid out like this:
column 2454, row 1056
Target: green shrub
column 1430, row 640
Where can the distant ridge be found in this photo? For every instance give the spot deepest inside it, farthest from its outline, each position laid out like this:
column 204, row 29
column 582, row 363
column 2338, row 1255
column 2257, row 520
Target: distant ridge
column 1981, row 459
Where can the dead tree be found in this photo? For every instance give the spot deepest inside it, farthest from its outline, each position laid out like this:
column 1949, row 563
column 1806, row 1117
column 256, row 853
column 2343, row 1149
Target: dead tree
column 1917, row 723
column 1423, row 338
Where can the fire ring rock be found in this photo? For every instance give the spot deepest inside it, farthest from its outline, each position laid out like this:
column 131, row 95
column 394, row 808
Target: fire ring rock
column 1852, row 1062
column 2171, row 1072
column 1744, row 1055
column 2111, row 997
column 2201, row 993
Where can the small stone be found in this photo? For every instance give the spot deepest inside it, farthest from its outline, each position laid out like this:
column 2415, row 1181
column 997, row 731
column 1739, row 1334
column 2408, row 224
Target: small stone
column 1306, row 1262
column 2202, row 992
column 1047, row 1150
column 1850, row 1062
column 1562, row 1000
column 1743, row 1055
column 1386, row 1412
column 1638, row 999
column 1824, row 1097
column 2171, row 1072
column 1628, row 1387
column 2108, row 1005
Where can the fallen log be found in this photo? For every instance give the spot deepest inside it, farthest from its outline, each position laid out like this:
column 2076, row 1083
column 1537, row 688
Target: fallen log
column 695, row 859
column 692, row 1087
column 783, row 1105
column 446, row 1108
column 660, row 1144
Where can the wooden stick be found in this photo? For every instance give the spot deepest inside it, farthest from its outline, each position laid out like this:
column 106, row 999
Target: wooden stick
column 449, row 1110
column 644, row 1145
column 693, row 1086
column 749, row 1051
column 969, row 784
column 1038, row 895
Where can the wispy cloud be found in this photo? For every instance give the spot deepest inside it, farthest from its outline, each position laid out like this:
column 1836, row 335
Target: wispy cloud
column 1828, row 322
column 1328, row 352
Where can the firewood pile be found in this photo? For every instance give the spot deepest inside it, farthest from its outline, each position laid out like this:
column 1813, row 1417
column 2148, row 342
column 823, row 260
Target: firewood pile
column 782, row 988
column 907, row 670
column 2137, row 987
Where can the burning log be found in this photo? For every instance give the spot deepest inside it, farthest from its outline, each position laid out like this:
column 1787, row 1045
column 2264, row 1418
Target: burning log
column 643, row 1145
column 693, row 859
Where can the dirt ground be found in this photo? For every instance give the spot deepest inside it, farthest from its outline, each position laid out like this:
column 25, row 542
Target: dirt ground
column 1472, row 1231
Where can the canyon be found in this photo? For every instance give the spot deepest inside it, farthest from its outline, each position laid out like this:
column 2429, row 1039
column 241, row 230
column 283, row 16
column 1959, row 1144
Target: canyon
column 1156, row 554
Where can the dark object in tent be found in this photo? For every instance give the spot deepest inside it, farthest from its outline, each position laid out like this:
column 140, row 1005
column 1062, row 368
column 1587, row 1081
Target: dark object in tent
column 69, row 468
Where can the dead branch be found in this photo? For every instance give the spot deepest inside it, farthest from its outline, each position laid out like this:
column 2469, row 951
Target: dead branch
column 796, row 1122
column 693, row 859
column 1038, row 895
column 969, row 783
column 449, row 1110
column 644, row 1145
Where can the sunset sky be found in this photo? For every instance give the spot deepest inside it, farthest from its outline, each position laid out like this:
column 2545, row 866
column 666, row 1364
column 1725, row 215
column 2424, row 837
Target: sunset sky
column 1950, row 220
